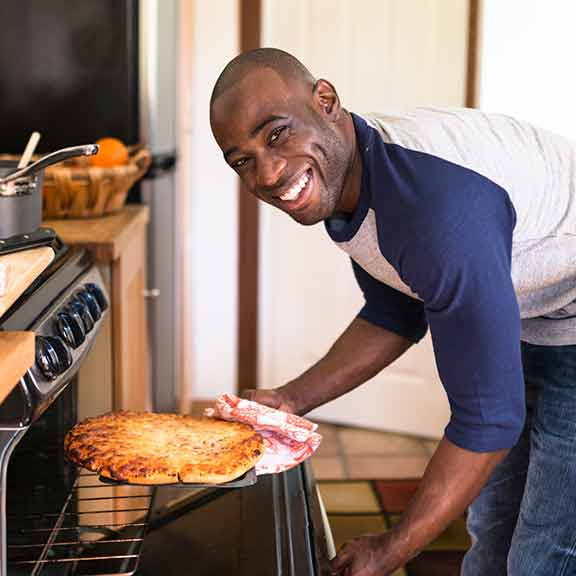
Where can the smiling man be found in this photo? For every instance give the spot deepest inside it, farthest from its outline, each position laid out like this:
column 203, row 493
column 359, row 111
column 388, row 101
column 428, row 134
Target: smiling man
column 457, row 221
column 311, row 178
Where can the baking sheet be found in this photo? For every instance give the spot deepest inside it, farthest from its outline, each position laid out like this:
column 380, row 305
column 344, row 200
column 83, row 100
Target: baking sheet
column 247, row 479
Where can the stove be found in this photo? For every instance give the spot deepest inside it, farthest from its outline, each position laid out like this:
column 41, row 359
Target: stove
column 54, row 520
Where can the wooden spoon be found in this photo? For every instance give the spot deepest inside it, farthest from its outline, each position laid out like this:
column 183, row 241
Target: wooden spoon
column 29, row 150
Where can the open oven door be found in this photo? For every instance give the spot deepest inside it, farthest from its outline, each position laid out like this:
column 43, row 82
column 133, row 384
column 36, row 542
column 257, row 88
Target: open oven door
column 274, row 527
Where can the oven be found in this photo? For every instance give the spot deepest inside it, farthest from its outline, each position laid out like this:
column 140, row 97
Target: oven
column 58, row 520
column 55, row 520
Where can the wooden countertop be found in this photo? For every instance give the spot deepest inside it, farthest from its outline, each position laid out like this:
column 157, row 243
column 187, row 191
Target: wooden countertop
column 105, row 237
column 18, row 270
column 17, row 354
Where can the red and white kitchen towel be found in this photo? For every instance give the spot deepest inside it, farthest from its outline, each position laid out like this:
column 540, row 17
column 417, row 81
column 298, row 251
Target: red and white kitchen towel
column 288, row 439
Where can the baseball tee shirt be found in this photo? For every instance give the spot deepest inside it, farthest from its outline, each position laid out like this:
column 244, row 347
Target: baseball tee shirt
column 466, row 224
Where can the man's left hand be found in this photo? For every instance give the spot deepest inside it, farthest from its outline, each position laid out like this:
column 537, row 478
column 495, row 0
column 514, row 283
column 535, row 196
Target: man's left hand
column 365, row 556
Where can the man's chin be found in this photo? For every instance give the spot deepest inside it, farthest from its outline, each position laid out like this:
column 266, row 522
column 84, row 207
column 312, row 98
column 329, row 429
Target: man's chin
column 306, row 219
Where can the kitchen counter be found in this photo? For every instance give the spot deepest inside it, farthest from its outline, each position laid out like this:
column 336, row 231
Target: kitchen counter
column 18, row 270
column 105, row 237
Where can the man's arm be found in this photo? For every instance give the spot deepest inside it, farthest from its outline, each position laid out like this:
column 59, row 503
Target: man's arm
column 462, row 273
column 362, row 351
column 453, row 478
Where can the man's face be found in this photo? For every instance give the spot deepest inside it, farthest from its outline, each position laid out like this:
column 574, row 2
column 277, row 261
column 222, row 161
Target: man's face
column 282, row 144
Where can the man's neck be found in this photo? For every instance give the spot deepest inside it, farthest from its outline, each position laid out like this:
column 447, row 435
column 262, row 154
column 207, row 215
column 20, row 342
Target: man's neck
column 353, row 178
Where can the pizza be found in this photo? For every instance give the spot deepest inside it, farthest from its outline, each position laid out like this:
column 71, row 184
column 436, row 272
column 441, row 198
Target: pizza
column 163, row 448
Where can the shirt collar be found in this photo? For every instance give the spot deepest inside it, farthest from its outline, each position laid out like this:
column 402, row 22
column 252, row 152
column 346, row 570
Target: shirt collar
column 343, row 228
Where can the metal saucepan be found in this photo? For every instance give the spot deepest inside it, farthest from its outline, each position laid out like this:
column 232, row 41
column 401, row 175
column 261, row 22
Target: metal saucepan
column 21, row 190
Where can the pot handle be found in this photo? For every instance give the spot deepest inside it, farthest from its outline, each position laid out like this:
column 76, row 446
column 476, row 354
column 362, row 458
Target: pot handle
column 53, row 158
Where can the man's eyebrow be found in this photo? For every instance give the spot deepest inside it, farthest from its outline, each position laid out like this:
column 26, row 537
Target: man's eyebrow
column 255, row 131
column 266, row 121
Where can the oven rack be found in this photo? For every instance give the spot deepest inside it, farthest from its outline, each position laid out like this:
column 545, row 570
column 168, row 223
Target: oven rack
column 99, row 531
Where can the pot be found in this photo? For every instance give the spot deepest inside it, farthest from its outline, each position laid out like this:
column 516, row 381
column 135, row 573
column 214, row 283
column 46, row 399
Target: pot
column 21, row 191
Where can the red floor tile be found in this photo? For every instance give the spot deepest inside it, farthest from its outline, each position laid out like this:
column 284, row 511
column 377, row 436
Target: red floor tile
column 394, row 495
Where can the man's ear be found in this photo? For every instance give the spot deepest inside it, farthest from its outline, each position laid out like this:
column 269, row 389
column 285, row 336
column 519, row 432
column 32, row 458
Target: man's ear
column 326, row 99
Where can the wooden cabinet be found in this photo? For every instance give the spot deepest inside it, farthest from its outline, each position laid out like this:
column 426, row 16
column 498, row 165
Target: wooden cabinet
column 116, row 375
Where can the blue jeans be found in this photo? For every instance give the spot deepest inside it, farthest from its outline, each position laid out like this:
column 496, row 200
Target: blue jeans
column 523, row 523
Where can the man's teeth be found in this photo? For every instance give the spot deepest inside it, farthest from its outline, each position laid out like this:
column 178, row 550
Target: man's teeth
column 294, row 191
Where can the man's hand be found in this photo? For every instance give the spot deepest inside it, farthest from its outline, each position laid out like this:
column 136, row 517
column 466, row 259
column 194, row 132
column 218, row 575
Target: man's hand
column 274, row 397
column 453, row 478
column 369, row 555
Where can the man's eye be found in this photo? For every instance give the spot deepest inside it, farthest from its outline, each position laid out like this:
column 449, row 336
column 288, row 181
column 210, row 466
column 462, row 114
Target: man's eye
column 239, row 163
column 275, row 134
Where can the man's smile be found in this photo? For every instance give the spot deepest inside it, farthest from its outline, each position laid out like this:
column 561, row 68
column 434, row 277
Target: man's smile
column 296, row 195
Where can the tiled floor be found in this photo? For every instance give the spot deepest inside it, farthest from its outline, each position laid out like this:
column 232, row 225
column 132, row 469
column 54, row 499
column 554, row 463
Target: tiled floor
column 367, row 478
column 350, row 453
column 356, row 507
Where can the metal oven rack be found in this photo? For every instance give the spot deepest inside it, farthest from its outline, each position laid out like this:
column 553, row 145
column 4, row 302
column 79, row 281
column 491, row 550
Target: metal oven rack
column 99, row 531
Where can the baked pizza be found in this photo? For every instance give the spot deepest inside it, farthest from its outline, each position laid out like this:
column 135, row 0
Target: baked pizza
column 155, row 448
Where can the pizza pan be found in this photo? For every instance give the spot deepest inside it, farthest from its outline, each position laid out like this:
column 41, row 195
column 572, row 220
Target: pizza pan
column 247, row 479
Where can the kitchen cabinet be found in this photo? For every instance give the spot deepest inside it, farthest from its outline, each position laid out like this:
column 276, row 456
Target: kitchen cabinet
column 116, row 376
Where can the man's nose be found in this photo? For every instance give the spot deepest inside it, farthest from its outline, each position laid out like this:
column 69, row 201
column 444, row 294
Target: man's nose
column 270, row 171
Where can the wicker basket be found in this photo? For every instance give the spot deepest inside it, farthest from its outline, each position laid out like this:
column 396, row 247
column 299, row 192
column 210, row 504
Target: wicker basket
column 76, row 189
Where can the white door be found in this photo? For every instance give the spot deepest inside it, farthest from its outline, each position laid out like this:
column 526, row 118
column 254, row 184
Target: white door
column 380, row 54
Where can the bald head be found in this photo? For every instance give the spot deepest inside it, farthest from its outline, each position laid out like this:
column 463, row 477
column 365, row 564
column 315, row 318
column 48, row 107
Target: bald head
column 290, row 69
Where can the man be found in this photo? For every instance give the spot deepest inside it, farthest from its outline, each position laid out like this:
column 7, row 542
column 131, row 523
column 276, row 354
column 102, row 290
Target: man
column 457, row 221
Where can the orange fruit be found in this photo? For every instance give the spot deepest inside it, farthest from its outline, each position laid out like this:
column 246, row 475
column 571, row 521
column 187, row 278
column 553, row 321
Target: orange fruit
column 112, row 152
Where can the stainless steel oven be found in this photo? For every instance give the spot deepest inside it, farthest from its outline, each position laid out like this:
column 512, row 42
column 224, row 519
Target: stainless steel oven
column 53, row 519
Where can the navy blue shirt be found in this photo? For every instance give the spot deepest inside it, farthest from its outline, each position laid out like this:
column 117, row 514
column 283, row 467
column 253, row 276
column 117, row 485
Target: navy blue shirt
column 430, row 242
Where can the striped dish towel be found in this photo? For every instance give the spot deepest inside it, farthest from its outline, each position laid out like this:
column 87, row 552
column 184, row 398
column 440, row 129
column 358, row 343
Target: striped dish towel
column 288, row 439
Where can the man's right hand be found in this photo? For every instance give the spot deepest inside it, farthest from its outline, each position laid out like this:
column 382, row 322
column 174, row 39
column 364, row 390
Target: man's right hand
column 274, row 397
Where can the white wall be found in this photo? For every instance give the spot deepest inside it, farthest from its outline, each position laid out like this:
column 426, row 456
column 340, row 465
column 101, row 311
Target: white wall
column 527, row 61
column 378, row 53
column 210, row 244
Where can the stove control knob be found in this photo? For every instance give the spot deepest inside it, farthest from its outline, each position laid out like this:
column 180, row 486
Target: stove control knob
column 89, row 300
column 52, row 356
column 71, row 328
column 98, row 293
column 78, row 308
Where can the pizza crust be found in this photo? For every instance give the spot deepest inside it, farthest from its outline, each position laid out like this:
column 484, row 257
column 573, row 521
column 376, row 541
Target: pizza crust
column 155, row 448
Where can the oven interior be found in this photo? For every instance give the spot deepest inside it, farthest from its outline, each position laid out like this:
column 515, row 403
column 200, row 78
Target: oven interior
column 61, row 521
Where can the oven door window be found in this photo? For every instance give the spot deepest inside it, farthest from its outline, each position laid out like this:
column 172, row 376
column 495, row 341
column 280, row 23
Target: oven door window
column 39, row 482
